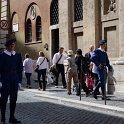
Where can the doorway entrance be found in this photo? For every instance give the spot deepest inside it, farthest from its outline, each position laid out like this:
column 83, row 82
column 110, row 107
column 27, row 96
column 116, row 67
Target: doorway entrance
column 55, row 41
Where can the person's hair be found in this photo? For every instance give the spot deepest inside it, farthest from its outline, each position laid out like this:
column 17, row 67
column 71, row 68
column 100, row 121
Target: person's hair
column 26, row 55
column 41, row 53
column 61, row 48
column 79, row 51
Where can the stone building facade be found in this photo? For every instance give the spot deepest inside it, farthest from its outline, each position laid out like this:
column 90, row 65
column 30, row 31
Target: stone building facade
column 47, row 24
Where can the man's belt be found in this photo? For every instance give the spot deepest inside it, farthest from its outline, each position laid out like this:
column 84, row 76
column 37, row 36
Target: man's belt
column 9, row 72
column 103, row 64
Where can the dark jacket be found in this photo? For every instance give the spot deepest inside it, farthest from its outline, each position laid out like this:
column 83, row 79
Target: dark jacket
column 100, row 57
column 87, row 57
column 78, row 61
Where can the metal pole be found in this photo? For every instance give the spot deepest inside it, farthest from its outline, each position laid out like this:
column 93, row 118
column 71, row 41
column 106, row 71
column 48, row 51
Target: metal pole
column 104, row 84
column 81, row 78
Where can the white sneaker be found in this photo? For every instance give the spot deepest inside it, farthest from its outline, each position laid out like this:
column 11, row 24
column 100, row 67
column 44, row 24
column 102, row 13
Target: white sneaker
column 56, row 86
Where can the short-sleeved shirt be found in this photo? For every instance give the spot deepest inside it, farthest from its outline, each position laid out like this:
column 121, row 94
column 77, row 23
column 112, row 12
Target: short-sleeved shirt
column 28, row 65
column 71, row 64
column 56, row 58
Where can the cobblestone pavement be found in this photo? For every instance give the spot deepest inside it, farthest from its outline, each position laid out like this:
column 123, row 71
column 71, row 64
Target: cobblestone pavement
column 116, row 100
column 36, row 110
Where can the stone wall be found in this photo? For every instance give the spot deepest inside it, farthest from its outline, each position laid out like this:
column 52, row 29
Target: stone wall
column 101, row 20
column 42, row 10
column 65, row 24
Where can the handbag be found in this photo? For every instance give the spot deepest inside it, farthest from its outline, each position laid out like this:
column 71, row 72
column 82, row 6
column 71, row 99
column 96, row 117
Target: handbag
column 37, row 67
column 90, row 82
column 53, row 69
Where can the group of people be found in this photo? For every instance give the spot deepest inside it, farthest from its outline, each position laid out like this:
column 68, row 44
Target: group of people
column 42, row 63
column 11, row 68
column 78, row 66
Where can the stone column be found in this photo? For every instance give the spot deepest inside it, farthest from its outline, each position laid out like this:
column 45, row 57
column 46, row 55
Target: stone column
column 65, row 24
column 88, row 23
column 91, row 23
column 121, row 33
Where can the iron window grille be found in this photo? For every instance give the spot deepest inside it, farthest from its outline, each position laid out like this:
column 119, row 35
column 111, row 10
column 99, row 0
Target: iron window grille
column 29, row 31
column 54, row 12
column 78, row 10
column 38, row 29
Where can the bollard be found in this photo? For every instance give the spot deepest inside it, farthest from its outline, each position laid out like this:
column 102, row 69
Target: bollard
column 104, row 84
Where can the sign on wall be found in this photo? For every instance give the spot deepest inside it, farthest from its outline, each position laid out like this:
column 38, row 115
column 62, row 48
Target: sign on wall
column 4, row 24
column 15, row 27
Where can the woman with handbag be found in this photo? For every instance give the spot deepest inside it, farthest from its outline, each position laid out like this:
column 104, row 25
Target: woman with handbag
column 42, row 62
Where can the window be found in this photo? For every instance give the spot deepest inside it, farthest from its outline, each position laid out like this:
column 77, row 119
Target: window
column 54, row 12
column 78, row 10
column 29, row 31
column 38, row 28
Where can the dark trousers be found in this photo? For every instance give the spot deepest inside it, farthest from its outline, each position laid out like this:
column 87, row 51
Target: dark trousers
column 9, row 89
column 28, row 75
column 83, row 84
column 43, row 73
column 12, row 109
column 60, row 68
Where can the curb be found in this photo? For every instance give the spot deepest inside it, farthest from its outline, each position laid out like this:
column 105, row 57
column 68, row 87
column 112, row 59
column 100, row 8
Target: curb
column 82, row 103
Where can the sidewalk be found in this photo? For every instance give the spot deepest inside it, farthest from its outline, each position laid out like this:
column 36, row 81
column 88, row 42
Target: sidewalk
column 60, row 95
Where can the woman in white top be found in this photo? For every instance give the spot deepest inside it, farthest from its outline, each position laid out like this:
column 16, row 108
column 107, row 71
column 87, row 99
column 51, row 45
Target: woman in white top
column 42, row 62
column 28, row 65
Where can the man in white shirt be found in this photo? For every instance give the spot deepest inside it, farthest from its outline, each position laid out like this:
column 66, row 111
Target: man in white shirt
column 58, row 60
column 28, row 65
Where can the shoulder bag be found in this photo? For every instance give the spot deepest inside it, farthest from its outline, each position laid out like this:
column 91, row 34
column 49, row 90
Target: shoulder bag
column 37, row 67
column 53, row 69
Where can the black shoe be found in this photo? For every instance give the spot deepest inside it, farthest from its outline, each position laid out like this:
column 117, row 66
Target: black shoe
column 69, row 93
column 95, row 96
column 87, row 94
column 106, row 98
column 27, row 86
column 14, row 120
column 64, row 86
column 77, row 94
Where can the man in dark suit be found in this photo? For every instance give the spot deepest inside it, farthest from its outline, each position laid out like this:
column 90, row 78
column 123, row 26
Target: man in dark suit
column 10, row 80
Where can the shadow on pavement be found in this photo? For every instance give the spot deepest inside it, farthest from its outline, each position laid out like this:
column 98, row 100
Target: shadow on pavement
column 50, row 113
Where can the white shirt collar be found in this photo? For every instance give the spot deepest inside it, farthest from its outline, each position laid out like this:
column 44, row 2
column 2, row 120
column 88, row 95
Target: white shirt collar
column 9, row 53
column 101, row 49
